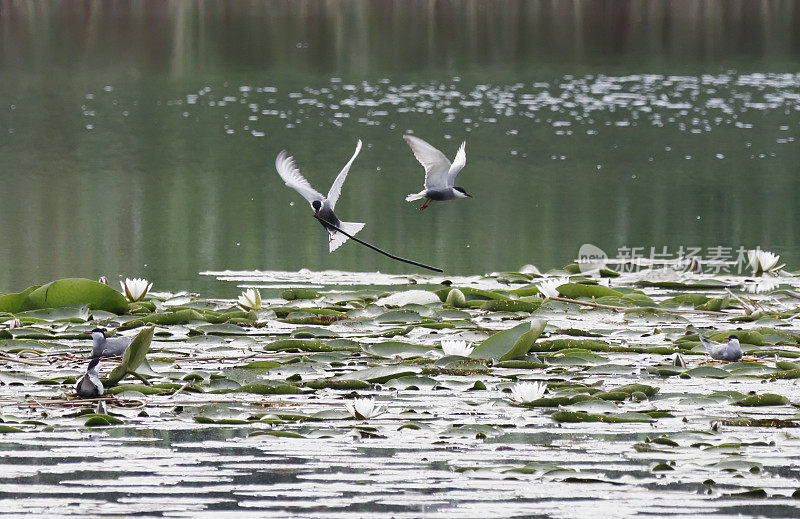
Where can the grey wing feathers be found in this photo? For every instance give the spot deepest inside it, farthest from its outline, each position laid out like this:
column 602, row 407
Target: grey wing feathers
column 458, row 164
column 336, row 188
column 292, row 177
column 435, row 163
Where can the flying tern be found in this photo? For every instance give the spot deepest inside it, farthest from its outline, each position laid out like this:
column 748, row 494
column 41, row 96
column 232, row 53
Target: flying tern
column 440, row 174
column 323, row 206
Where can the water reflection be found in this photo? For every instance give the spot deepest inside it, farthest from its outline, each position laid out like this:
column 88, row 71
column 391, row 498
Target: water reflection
column 140, row 139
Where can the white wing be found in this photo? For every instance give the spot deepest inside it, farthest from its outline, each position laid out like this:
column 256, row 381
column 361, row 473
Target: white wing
column 458, row 164
column 435, row 163
column 291, row 175
column 336, row 188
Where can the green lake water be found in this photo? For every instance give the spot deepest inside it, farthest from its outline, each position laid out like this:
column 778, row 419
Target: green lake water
column 140, row 139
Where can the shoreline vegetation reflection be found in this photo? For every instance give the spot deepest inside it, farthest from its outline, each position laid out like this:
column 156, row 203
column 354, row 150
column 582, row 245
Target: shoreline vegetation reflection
column 147, row 149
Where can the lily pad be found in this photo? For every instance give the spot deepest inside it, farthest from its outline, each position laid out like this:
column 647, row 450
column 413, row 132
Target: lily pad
column 134, row 355
column 510, row 344
column 511, row 305
column 578, row 290
column 12, row 302
column 76, row 291
column 707, row 371
column 292, row 294
column 379, row 374
column 767, row 399
column 395, row 349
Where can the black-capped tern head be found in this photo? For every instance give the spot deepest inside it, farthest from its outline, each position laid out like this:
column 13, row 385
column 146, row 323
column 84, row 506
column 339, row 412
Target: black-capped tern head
column 440, row 174
column 462, row 192
column 323, row 206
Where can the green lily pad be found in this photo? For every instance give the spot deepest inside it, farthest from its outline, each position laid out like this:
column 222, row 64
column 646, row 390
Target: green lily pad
column 470, row 294
column 263, row 389
column 76, row 291
column 510, row 344
column 574, row 417
column 398, row 317
column 575, row 357
column 578, row 290
column 707, row 371
column 511, row 305
column 101, row 420
column 12, row 302
column 73, row 314
column 393, row 349
column 767, row 399
column 339, row 385
column 221, row 329
column 134, row 355
column 563, row 344
column 297, row 345
column 411, row 382
column 311, row 332
column 692, row 285
column 379, row 374
column 292, row 294
column 277, row 434
column 139, row 388
column 694, row 300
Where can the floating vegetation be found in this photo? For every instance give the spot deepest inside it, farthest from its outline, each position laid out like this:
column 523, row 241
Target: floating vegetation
column 470, row 382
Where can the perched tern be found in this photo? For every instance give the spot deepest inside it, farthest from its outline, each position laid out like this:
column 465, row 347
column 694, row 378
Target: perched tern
column 108, row 346
column 323, row 206
column 440, row 174
column 89, row 385
column 729, row 350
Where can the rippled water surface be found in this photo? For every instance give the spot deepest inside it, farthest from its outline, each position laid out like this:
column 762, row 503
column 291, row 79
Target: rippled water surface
column 141, row 140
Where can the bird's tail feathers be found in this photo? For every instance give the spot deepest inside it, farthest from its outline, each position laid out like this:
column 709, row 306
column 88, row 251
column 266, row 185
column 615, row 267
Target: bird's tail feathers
column 708, row 345
column 415, row 196
column 336, row 239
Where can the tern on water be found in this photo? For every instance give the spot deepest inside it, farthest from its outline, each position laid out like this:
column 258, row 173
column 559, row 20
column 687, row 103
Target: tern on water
column 108, row 346
column 89, row 385
column 323, row 206
column 440, row 174
column 729, row 350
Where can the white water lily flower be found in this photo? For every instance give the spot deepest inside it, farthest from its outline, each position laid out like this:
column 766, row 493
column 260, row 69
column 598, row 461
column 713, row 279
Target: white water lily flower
column 524, row 392
column 762, row 285
column 136, row 288
column 549, row 287
column 250, row 299
column 13, row 323
column 762, row 261
column 460, row 348
column 364, row 408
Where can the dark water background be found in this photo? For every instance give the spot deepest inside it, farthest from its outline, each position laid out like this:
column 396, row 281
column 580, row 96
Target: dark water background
column 138, row 138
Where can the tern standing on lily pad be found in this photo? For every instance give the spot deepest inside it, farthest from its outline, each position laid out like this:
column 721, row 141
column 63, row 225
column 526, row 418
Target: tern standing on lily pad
column 440, row 174
column 323, row 206
column 729, row 350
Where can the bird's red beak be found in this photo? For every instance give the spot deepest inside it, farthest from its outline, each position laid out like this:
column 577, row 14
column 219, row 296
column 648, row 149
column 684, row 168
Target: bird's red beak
column 468, row 195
